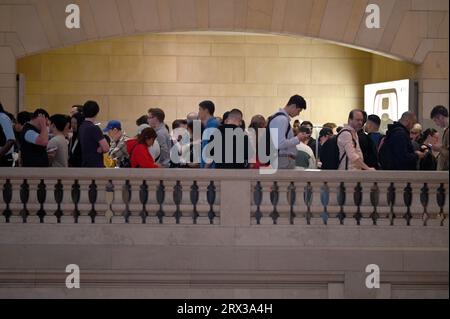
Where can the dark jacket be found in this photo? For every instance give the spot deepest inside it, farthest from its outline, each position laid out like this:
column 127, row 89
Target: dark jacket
column 401, row 148
column 75, row 152
column 234, row 146
column 33, row 155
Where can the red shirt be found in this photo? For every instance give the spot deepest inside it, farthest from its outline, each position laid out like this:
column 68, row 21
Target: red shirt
column 140, row 156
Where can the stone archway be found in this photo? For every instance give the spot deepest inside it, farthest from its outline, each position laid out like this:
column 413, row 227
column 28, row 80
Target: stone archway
column 415, row 31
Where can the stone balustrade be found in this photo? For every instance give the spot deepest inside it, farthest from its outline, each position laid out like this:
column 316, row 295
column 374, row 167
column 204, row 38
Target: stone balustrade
column 170, row 233
column 237, row 198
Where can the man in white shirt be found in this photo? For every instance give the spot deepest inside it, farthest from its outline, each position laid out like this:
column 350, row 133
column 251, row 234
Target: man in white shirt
column 286, row 142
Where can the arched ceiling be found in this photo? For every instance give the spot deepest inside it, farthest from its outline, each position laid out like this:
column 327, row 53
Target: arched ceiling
column 409, row 28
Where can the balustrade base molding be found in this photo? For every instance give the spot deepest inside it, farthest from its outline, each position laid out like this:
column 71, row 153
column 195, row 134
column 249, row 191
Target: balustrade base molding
column 200, row 261
column 216, row 284
column 223, row 233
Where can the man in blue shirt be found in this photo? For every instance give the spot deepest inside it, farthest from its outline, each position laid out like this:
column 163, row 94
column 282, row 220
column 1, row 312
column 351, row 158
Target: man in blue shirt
column 7, row 139
column 206, row 115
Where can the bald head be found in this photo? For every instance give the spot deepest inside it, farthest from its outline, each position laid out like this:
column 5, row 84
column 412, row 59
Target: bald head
column 408, row 119
column 234, row 117
column 192, row 116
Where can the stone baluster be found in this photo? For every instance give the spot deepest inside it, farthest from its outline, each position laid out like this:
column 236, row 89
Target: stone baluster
column 92, row 194
column 407, row 199
column 41, row 197
column 177, row 198
column 424, row 200
column 291, row 198
column 194, row 197
column 308, row 198
column 440, row 197
column 160, row 197
column 126, row 198
column 325, row 200
column 341, row 199
column 76, row 194
column 24, row 197
column 357, row 199
column 59, row 195
column 274, row 199
column 375, row 200
column 109, row 199
column 257, row 198
column 391, row 196
column 143, row 198
column 7, row 198
column 211, row 197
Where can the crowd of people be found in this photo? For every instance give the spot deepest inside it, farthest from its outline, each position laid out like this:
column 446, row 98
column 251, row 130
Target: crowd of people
column 203, row 140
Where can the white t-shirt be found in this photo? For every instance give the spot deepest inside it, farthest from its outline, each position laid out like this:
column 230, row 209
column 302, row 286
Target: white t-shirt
column 302, row 147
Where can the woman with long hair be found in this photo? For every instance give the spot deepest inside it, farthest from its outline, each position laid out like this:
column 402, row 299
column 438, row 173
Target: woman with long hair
column 138, row 150
column 428, row 138
column 74, row 143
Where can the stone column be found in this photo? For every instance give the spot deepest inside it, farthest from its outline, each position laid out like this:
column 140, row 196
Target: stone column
column 235, row 203
column 8, row 84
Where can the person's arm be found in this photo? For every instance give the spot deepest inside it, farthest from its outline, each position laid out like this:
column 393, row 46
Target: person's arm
column 346, row 141
column 164, row 157
column 103, row 146
column 51, row 155
column 6, row 125
column 42, row 138
column 442, row 149
column 281, row 124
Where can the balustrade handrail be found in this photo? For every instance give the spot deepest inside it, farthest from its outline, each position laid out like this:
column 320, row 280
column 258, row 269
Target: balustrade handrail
column 217, row 174
column 240, row 194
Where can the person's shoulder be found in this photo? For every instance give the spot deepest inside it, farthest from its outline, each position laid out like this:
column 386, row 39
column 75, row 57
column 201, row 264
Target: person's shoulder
column 5, row 117
column 345, row 132
column 61, row 139
column 52, row 142
column 212, row 123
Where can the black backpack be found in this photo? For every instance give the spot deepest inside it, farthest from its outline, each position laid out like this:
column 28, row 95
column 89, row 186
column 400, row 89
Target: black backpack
column 126, row 161
column 269, row 143
column 329, row 153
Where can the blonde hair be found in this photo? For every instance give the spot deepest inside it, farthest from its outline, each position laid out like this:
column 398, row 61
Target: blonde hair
column 417, row 128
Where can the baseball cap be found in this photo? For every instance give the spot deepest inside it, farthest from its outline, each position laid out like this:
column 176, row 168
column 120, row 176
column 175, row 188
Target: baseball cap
column 142, row 127
column 113, row 125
